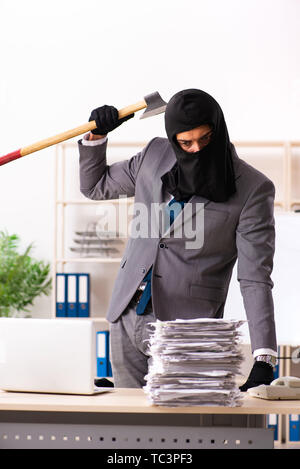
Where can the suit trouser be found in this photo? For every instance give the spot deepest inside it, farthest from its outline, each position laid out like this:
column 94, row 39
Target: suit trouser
column 129, row 347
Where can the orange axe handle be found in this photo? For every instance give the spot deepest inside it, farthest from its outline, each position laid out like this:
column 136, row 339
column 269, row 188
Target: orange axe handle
column 48, row 142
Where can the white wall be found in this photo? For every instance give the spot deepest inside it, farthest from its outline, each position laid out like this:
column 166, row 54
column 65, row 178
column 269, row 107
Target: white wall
column 285, row 275
column 60, row 59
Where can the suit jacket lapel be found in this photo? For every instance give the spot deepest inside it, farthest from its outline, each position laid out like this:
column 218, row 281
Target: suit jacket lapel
column 167, row 161
column 198, row 203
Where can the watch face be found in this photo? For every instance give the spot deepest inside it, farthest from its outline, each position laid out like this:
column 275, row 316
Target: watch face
column 267, row 359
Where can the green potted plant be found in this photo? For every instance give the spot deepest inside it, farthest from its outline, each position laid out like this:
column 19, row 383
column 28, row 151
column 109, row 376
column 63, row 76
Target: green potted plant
column 22, row 278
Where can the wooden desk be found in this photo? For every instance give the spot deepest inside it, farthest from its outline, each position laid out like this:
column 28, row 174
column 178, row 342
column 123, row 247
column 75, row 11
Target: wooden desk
column 124, row 418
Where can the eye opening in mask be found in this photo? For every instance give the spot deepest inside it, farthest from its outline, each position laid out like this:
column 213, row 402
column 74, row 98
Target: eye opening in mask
column 195, row 139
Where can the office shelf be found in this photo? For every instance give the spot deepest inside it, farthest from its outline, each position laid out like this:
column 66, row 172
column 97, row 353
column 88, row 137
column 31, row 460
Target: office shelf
column 100, row 260
column 94, row 202
column 63, row 200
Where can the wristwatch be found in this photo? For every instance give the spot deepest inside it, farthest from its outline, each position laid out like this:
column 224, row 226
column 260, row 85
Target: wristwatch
column 270, row 359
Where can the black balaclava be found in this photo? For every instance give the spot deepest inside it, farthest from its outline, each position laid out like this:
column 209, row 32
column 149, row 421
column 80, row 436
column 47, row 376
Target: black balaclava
column 208, row 172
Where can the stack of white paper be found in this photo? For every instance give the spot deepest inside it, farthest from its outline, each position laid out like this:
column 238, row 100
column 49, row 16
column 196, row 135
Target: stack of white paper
column 194, row 362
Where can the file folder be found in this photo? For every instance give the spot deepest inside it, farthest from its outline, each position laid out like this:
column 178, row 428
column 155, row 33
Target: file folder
column 83, row 285
column 294, row 427
column 102, row 353
column 103, row 360
column 272, row 422
column 72, row 295
column 61, row 296
column 109, row 372
column 277, row 368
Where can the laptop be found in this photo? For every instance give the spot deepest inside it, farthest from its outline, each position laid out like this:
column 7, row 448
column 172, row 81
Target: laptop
column 49, row 355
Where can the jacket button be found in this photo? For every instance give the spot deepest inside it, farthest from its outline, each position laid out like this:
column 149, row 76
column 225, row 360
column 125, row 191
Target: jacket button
column 143, row 270
column 162, row 245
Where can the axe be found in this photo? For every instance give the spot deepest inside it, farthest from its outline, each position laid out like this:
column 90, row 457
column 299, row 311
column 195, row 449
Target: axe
column 153, row 103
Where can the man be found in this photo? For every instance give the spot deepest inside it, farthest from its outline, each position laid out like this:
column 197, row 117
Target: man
column 164, row 277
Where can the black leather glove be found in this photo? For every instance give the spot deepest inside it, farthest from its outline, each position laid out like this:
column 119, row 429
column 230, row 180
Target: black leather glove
column 261, row 373
column 107, row 119
column 103, row 383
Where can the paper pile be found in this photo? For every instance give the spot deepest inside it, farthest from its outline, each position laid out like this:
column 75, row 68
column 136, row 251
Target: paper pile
column 194, row 362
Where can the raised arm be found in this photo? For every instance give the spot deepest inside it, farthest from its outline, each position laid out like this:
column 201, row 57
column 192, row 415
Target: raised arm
column 97, row 179
column 100, row 181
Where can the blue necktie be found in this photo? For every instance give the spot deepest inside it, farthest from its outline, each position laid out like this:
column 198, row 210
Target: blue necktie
column 146, row 295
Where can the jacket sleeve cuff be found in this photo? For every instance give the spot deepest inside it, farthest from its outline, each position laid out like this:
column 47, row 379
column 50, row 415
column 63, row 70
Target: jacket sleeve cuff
column 264, row 351
column 92, row 143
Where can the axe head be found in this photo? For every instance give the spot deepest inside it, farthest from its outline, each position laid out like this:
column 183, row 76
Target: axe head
column 155, row 105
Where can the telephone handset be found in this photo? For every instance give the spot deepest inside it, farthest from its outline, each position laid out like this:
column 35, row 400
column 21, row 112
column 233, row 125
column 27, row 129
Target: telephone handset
column 285, row 387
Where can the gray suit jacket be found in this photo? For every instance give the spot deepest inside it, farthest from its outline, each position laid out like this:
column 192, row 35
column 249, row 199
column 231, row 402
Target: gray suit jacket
column 188, row 282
